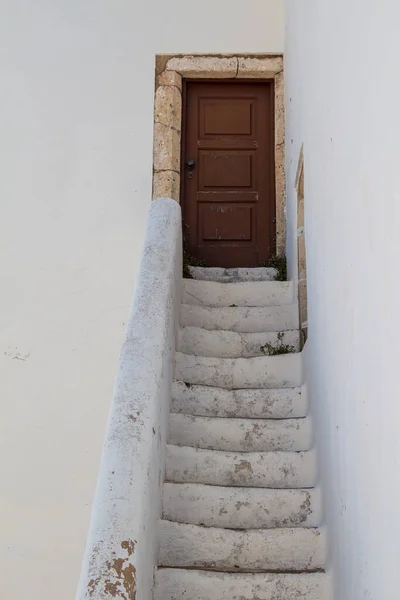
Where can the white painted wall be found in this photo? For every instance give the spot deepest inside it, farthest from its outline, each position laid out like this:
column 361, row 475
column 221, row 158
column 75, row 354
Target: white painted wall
column 343, row 95
column 76, row 144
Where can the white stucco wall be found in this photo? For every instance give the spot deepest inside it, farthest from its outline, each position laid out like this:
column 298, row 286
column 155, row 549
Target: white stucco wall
column 342, row 96
column 76, row 140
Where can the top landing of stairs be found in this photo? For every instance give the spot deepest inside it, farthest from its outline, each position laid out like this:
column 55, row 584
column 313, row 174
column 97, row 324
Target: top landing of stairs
column 233, row 275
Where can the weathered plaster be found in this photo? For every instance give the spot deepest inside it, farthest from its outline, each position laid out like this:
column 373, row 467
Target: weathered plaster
column 121, row 546
column 168, row 115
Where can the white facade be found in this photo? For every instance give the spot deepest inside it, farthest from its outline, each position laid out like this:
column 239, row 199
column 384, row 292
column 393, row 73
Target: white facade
column 342, row 104
column 77, row 119
column 77, row 114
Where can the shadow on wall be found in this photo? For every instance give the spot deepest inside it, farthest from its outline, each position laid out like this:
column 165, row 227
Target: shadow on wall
column 301, row 251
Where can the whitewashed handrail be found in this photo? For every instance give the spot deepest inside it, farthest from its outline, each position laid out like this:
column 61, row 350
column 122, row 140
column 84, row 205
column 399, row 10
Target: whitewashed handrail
column 121, row 548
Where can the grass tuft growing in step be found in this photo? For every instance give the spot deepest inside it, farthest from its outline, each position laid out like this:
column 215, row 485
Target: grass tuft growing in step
column 190, row 261
column 279, row 263
column 278, row 347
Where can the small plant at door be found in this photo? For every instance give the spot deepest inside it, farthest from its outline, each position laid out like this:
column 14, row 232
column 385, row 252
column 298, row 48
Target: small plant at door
column 278, row 347
column 278, row 262
column 190, row 261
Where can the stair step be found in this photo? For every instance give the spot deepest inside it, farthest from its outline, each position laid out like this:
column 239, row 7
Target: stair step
column 207, row 401
column 246, row 469
column 241, row 508
column 182, row 584
column 241, row 319
column 294, row 549
column 230, row 344
column 233, row 275
column 235, row 373
column 240, row 435
column 258, row 293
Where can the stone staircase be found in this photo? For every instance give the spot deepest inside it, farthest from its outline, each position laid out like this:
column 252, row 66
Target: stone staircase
column 241, row 514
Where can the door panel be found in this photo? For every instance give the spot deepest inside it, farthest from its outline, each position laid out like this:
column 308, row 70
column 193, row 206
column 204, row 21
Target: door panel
column 225, row 168
column 229, row 189
column 227, row 222
column 225, row 117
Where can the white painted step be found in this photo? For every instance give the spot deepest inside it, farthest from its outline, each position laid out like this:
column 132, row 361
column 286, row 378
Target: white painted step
column 246, row 469
column 241, row 319
column 258, row 293
column 241, row 508
column 240, row 435
column 233, row 275
column 230, row 344
column 234, row 373
column 183, row 584
column 288, row 549
column 207, row 401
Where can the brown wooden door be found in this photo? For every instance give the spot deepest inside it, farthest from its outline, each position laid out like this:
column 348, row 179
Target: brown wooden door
column 228, row 173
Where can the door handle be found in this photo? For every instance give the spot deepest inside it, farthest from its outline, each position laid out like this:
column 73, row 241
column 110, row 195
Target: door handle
column 190, row 163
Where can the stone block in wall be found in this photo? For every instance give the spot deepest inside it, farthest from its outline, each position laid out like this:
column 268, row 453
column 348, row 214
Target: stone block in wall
column 302, row 291
column 280, row 199
column 301, row 256
column 263, row 67
column 168, row 107
column 279, row 110
column 166, row 184
column 203, row 66
column 166, row 150
column 300, row 212
column 170, row 78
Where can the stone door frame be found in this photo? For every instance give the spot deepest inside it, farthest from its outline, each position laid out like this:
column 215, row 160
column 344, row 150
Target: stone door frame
column 170, row 70
column 301, row 249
